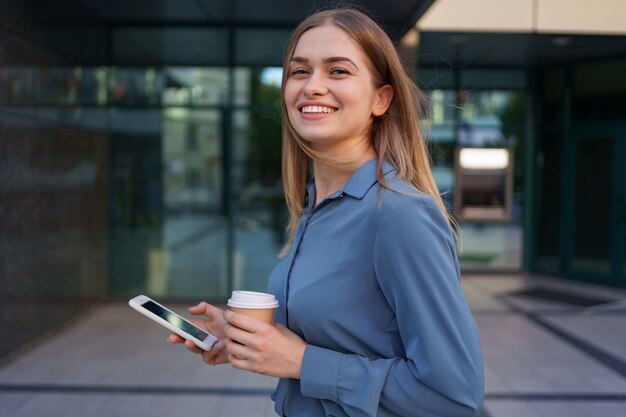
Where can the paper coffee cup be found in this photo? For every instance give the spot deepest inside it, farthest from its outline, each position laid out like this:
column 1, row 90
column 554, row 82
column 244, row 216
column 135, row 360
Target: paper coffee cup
column 259, row 305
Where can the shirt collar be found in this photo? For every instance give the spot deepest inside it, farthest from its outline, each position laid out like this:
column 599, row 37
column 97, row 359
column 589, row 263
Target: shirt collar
column 361, row 180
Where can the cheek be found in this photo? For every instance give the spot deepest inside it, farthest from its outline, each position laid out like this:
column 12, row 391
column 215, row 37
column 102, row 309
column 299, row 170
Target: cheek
column 290, row 93
column 289, row 97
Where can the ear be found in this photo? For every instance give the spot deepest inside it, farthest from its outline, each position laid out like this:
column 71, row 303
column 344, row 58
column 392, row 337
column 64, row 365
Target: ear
column 384, row 95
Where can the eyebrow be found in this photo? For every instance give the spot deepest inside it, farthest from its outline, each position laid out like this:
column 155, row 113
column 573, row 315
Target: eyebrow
column 326, row 60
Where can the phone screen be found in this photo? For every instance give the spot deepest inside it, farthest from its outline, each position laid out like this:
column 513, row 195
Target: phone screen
column 176, row 320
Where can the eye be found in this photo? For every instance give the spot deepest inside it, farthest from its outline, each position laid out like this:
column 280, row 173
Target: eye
column 298, row 71
column 338, row 71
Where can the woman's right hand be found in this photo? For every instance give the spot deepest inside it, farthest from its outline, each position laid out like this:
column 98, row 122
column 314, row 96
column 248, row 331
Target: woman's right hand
column 214, row 324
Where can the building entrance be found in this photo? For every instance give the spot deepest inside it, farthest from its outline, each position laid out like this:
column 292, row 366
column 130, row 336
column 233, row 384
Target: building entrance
column 595, row 237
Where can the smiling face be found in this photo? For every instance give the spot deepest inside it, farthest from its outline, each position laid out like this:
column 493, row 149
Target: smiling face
column 329, row 94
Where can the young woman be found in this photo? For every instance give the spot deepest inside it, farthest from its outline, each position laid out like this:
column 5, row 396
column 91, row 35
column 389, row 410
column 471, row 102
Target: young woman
column 372, row 320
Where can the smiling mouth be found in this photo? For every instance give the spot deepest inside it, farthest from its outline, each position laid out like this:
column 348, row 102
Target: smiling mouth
column 317, row 109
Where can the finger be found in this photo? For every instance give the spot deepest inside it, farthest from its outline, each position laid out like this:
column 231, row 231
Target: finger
column 174, row 338
column 205, row 309
column 192, row 347
column 210, row 356
column 238, row 363
column 238, row 335
column 239, row 351
column 244, row 322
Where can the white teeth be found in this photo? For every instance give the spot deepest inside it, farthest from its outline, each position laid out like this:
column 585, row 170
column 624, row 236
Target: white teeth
column 317, row 109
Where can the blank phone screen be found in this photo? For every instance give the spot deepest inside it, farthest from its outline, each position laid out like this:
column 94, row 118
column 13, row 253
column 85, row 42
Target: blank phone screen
column 175, row 319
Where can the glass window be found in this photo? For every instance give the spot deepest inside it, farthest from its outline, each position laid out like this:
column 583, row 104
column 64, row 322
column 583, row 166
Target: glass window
column 439, row 125
column 53, row 86
column 548, row 203
column 480, row 118
column 260, row 46
column 491, row 118
column 190, row 86
column 242, row 86
column 266, row 88
column 432, row 78
column 493, row 79
column 167, row 218
column 260, row 210
column 553, row 88
column 135, row 86
column 592, row 206
column 599, row 91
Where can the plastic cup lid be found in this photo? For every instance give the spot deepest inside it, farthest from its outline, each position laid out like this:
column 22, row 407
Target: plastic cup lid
column 251, row 299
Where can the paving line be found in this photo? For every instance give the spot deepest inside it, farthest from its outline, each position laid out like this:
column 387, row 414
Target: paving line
column 134, row 389
column 607, row 359
column 564, row 396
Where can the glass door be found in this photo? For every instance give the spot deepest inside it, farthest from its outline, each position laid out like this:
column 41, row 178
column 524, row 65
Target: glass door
column 620, row 209
column 597, row 236
column 168, row 209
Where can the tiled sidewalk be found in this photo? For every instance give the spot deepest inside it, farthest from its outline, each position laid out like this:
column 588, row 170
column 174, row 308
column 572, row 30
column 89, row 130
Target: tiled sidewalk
column 542, row 359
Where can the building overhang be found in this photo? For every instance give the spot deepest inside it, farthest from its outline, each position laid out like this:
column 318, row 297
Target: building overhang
column 188, row 32
column 520, row 50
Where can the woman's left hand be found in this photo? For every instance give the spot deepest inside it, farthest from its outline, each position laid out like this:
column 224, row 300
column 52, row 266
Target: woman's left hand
column 262, row 348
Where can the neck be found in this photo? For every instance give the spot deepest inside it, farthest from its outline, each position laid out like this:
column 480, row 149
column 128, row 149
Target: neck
column 330, row 178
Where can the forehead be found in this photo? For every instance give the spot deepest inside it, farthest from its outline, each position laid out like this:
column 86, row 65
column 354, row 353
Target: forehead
column 327, row 40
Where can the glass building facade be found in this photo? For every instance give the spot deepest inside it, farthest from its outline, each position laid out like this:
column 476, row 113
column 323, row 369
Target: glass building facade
column 580, row 185
column 140, row 154
column 479, row 108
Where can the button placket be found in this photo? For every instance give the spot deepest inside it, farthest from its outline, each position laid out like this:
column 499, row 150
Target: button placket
column 298, row 240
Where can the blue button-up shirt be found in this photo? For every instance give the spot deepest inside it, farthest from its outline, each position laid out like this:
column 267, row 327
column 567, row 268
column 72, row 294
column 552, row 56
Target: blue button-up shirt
column 371, row 283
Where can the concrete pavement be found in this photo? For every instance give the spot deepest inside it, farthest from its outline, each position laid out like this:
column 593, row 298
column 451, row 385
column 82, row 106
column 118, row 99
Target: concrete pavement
column 542, row 359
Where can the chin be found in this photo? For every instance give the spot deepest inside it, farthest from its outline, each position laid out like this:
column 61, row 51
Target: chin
column 318, row 140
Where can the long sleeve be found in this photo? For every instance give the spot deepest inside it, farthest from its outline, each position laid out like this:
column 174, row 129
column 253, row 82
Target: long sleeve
column 440, row 372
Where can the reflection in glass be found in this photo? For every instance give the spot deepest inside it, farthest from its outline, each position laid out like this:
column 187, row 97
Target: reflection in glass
column 483, row 187
column 260, row 212
column 192, row 258
column 486, row 119
column 135, row 86
column 191, row 86
column 53, row 86
column 490, row 118
column 168, row 222
column 439, row 127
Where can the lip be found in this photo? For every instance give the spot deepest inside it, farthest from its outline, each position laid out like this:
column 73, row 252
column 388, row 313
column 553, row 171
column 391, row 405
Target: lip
column 315, row 116
column 315, row 103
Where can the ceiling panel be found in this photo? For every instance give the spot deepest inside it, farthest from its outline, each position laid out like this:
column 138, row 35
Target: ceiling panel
column 397, row 16
column 188, row 32
column 514, row 49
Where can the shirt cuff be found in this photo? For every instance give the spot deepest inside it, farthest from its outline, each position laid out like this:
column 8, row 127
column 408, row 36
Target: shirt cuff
column 319, row 373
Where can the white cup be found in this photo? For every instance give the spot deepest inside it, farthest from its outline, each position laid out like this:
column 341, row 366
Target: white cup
column 259, row 305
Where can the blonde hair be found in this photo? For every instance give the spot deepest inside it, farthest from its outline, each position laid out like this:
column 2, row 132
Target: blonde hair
column 395, row 136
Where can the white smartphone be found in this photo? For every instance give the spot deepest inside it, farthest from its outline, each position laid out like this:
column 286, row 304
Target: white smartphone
column 175, row 323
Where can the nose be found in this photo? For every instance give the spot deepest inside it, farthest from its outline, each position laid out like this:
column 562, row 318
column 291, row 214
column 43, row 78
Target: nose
column 315, row 85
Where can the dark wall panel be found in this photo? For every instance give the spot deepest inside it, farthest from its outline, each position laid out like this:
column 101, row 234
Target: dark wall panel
column 53, row 183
